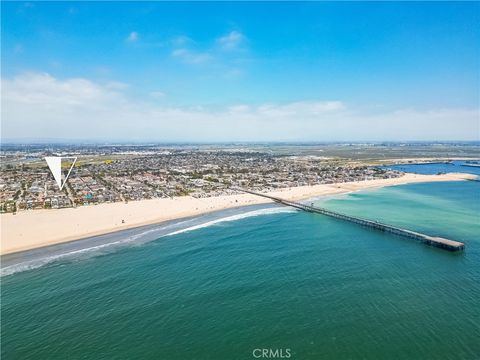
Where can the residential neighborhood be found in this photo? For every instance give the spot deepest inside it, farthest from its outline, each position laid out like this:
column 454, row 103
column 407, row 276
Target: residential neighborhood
column 118, row 175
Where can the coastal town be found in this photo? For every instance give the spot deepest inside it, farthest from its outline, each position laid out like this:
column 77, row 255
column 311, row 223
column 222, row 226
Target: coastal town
column 123, row 175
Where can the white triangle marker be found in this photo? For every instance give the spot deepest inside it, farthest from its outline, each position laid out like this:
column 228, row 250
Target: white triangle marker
column 55, row 165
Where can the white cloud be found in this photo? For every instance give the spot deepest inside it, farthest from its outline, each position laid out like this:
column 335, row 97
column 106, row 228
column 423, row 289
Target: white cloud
column 300, row 108
column 116, row 85
column 157, row 94
column 231, row 40
column 233, row 73
column 36, row 105
column 191, row 57
column 181, row 40
column 132, row 37
column 45, row 90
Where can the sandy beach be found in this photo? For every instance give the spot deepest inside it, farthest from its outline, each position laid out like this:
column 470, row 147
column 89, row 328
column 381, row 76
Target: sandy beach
column 37, row 228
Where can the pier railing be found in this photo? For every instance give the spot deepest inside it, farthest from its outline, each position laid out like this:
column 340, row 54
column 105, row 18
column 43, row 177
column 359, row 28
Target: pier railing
column 435, row 241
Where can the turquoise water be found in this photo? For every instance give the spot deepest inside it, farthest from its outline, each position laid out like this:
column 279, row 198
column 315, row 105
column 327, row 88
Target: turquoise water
column 273, row 278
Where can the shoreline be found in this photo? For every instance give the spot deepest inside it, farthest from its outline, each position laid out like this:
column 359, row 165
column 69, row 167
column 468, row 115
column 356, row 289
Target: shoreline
column 34, row 229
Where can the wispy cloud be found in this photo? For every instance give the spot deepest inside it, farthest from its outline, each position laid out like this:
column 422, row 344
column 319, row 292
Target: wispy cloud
column 181, row 40
column 157, row 94
column 43, row 89
column 231, row 41
column 40, row 105
column 300, row 109
column 190, row 56
column 132, row 37
column 116, row 85
column 187, row 50
column 233, row 73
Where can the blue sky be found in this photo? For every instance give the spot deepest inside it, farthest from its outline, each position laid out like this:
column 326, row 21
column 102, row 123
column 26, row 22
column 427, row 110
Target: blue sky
column 241, row 71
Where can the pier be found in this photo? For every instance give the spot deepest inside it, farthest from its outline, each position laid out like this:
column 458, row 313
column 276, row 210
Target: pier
column 434, row 241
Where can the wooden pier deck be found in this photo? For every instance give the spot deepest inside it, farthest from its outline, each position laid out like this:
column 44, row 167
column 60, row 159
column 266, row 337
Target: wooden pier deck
column 434, row 241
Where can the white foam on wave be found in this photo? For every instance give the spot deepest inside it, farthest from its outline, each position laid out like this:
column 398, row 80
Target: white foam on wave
column 36, row 263
column 94, row 250
column 233, row 218
column 33, row 264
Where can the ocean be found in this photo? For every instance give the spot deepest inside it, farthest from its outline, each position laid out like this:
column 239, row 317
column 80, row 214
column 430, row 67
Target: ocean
column 264, row 277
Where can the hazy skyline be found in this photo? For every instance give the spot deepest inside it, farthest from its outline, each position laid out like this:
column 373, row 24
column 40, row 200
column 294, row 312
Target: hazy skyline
column 241, row 71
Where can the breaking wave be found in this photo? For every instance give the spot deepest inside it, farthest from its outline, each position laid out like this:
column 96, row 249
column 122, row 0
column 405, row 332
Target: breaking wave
column 233, row 218
column 140, row 238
